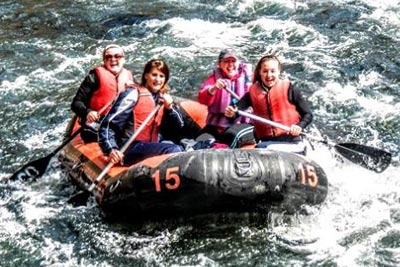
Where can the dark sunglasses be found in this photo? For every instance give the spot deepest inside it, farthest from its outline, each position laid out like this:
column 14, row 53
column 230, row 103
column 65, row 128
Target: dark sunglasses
column 117, row 56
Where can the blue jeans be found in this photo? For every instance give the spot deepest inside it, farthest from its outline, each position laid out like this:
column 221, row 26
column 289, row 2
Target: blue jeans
column 140, row 150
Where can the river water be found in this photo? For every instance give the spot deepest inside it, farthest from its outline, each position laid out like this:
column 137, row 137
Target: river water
column 344, row 56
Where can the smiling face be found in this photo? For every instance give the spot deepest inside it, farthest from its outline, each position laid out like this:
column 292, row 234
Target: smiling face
column 269, row 72
column 229, row 67
column 155, row 80
column 113, row 59
column 155, row 76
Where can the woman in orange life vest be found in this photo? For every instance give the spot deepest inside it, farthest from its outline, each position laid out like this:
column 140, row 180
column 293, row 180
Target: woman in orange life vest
column 99, row 88
column 129, row 111
column 278, row 100
column 236, row 76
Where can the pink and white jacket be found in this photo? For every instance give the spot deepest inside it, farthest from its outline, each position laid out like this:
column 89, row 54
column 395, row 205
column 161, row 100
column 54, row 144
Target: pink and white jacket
column 221, row 99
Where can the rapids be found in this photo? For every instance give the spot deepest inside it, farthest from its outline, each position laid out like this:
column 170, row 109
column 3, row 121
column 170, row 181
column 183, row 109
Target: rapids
column 343, row 54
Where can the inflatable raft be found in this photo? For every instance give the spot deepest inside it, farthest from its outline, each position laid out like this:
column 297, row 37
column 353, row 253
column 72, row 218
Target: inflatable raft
column 200, row 181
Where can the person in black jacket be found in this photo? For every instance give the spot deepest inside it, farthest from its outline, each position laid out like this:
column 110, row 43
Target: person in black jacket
column 99, row 88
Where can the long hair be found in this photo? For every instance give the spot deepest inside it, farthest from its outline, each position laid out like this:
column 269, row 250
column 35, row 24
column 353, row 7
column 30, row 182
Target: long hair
column 257, row 77
column 160, row 65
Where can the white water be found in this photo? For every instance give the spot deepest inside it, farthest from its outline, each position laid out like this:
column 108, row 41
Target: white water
column 344, row 63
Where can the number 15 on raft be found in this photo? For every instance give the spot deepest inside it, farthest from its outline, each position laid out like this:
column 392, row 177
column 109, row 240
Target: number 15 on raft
column 308, row 175
column 172, row 179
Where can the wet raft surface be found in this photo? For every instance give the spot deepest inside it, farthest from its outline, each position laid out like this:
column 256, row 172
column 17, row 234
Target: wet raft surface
column 207, row 181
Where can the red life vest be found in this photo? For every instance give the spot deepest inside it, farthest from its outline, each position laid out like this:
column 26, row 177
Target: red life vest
column 110, row 86
column 142, row 109
column 275, row 106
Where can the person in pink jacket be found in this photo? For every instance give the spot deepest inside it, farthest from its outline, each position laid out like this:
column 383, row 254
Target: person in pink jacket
column 236, row 76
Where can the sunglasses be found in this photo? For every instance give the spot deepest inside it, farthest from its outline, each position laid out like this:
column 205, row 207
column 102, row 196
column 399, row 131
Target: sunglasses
column 109, row 57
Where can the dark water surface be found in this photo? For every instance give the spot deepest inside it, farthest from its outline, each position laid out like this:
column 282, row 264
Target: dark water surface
column 344, row 55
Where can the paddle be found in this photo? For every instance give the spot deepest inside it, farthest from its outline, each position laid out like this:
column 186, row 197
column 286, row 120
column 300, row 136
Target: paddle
column 36, row 168
column 124, row 148
column 368, row 157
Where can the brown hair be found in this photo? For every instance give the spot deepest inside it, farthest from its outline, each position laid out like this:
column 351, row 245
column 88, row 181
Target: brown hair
column 160, row 65
column 257, row 77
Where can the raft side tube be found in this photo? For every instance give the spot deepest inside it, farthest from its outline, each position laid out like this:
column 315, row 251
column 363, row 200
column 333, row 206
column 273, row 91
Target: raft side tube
column 207, row 180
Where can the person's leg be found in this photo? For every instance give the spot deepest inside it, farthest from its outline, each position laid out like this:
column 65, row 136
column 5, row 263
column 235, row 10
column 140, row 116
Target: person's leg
column 208, row 132
column 141, row 150
column 206, row 139
column 238, row 135
column 89, row 134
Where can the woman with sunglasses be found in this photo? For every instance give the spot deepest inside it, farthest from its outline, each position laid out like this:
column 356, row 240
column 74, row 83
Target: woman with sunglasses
column 277, row 100
column 99, row 88
column 134, row 106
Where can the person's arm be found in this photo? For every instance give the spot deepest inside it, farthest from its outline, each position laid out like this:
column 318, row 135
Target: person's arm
column 113, row 126
column 244, row 102
column 206, row 93
column 80, row 103
column 302, row 107
column 173, row 118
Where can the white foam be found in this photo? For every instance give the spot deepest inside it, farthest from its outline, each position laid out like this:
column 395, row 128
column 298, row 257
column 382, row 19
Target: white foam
column 207, row 34
column 20, row 83
column 337, row 94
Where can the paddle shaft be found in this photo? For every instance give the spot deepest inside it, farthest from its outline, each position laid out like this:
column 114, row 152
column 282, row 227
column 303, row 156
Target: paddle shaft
column 69, row 139
column 279, row 125
column 232, row 93
column 37, row 168
column 124, row 148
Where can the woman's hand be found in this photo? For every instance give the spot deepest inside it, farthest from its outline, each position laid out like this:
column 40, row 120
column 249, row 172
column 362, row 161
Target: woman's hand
column 295, row 130
column 219, row 84
column 92, row 116
column 115, row 156
column 167, row 100
column 230, row 111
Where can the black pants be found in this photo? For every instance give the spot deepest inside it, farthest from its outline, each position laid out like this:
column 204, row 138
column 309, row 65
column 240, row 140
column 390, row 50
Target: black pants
column 235, row 136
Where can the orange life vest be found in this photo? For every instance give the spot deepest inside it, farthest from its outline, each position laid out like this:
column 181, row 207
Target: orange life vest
column 143, row 108
column 275, row 106
column 110, row 86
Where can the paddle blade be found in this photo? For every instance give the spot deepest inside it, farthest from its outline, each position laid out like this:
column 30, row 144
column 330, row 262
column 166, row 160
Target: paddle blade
column 32, row 170
column 368, row 157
